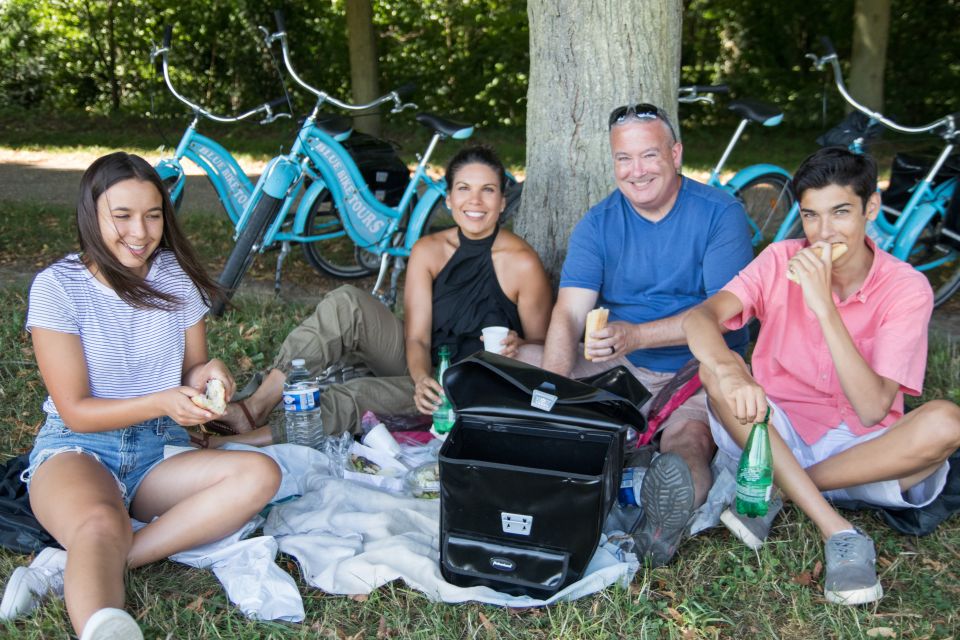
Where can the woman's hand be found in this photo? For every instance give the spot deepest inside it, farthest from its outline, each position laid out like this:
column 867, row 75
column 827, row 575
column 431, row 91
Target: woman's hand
column 176, row 404
column 426, row 394
column 509, row 346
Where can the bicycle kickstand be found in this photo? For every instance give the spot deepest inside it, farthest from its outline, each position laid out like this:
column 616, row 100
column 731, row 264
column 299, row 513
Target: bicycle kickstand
column 284, row 250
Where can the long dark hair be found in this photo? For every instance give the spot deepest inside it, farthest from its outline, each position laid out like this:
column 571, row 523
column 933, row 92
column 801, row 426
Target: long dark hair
column 105, row 172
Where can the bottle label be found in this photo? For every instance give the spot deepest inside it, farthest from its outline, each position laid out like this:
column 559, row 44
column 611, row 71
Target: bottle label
column 627, row 496
column 301, row 397
column 754, row 493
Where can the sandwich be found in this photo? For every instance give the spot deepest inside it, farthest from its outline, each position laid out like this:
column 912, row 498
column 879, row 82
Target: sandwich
column 214, row 399
column 836, row 250
column 596, row 320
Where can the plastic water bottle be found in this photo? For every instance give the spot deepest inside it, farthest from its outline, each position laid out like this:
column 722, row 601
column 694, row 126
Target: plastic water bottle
column 755, row 472
column 634, row 469
column 301, row 405
column 443, row 415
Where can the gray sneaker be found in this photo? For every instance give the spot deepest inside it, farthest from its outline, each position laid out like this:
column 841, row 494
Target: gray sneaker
column 751, row 531
column 667, row 495
column 28, row 586
column 851, row 574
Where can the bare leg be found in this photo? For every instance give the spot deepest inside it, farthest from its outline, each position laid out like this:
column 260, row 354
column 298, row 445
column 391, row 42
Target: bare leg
column 788, row 474
column 909, row 451
column 78, row 501
column 199, row 497
column 692, row 441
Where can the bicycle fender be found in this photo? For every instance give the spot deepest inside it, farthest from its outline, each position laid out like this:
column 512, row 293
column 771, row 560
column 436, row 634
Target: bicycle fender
column 745, row 175
column 419, row 216
column 279, row 176
column 919, row 219
column 310, row 196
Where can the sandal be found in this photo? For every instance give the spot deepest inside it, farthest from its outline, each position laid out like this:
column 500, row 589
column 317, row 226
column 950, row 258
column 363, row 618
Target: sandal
column 200, row 440
column 221, row 428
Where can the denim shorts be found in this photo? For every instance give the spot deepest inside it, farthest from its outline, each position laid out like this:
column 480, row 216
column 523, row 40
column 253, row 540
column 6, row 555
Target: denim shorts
column 129, row 454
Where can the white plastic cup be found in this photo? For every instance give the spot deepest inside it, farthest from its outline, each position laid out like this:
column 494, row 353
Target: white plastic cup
column 381, row 439
column 492, row 337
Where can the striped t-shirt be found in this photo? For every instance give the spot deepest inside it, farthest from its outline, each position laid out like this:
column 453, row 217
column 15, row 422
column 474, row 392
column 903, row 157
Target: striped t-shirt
column 129, row 351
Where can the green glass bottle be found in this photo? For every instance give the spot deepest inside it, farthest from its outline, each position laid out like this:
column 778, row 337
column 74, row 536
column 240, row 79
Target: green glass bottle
column 443, row 415
column 755, row 472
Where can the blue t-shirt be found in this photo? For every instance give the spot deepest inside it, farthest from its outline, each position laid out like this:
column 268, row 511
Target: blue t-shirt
column 645, row 271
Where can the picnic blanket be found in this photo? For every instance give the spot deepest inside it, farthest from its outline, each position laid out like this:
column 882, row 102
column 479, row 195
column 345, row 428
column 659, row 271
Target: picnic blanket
column 350, row 539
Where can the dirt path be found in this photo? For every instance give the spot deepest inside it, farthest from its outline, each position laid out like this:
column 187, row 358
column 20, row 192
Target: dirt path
column 44, row 177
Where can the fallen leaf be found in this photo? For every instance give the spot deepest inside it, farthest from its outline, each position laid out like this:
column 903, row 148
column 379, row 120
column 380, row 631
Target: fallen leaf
column 676, row 615
column 246, row 364
column 817, row 569
column 360, row 597
column 196, row 605
column 491, row 630
column 804, row 578
column 383, row 631
column 881, row 632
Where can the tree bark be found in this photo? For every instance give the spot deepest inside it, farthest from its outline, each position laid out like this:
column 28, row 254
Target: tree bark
column 363, row 62
column 871, row 30
column 587, row 58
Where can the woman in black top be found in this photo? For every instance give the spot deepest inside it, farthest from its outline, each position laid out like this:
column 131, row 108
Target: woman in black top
column 458, row 281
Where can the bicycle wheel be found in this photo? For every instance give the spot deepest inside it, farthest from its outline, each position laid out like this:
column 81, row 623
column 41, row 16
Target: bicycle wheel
column 514, row 194
column 337, row 256
column 938, row 258
column 767, row 199
column 246, row 249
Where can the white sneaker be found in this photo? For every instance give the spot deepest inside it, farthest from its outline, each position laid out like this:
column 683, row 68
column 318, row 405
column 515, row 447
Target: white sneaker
column 28, row 586
column 111, row 624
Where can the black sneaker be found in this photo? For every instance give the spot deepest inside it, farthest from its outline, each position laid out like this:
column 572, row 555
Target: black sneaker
column 667, row 495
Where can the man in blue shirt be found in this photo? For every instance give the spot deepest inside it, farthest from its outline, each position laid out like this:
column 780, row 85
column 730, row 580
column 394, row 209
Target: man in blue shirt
column 657, row 246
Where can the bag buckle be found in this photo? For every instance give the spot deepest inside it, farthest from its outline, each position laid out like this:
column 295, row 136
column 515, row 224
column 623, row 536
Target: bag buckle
column 543, row 400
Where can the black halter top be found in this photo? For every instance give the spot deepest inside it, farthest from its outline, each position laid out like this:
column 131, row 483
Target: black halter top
column 467, row 297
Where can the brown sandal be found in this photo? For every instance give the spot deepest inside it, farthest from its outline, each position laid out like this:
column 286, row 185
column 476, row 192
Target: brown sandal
column 221, row 428
column 200, row 440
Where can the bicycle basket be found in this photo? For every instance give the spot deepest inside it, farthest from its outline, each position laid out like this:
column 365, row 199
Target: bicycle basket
column 854, row 125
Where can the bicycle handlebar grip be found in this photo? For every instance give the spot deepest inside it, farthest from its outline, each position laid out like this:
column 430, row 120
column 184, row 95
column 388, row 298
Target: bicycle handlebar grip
column 828, row 46
column 711, row 88
column 167, row 35
column 406, row 90
column 281, row 23
column 277, row 102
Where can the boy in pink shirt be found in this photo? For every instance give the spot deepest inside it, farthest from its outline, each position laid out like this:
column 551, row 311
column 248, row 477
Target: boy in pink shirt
column 836, row 352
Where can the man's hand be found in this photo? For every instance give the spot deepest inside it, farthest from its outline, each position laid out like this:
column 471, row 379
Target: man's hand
column 426, row 394
column 815, row 276
column 611, row 342
column 746, row 398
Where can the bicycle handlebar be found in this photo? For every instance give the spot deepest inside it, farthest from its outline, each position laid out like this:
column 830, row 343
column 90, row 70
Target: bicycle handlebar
column 700, row 92
column 265, row 108
column 395, row 96
column 948, row 123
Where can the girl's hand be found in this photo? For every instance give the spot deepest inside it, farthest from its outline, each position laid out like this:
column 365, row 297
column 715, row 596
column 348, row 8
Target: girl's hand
column 176, row 404
column 426, row 394
column 215, row 368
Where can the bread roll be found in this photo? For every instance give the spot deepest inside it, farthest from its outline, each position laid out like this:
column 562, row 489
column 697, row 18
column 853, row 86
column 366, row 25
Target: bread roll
column 214, row 400
column 596, row 320
column 837, row 249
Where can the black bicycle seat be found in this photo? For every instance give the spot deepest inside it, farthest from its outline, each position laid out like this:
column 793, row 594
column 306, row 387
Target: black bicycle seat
column 753, row 110
column 333, row 124
column 447, row 127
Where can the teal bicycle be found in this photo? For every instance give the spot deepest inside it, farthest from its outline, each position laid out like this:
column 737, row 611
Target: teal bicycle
column 764, row 189
column 319, row 185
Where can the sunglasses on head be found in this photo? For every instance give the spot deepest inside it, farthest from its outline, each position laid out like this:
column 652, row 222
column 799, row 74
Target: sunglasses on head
column 639, row 111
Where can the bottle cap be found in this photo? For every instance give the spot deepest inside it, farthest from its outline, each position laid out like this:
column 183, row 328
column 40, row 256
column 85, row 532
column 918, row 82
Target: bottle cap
column 444, row 351
column 298, row 362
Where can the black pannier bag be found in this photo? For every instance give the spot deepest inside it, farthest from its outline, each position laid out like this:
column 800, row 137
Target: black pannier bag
column 529, row 471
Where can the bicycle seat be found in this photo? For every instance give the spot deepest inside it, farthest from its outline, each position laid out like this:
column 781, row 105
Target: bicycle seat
column 456, row 130
column 332, row 124
column 766, row 114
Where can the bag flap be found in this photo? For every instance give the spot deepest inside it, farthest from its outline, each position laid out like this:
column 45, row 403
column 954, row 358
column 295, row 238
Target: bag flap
column 490, row 384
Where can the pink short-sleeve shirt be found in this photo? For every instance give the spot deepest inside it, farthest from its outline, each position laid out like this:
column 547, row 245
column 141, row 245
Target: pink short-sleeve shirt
column 887, row 319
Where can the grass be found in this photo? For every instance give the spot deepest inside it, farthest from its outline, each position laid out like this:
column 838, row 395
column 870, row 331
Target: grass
column 716, row 588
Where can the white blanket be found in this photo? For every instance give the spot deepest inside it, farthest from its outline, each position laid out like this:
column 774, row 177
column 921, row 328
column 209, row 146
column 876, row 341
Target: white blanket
column 351, row 539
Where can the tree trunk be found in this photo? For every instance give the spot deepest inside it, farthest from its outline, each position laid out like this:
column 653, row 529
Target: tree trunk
column 871, row 30
column 587, row 58
column 363, row 62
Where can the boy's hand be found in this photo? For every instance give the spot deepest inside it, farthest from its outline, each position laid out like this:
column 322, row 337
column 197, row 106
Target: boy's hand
column 814, row 274
column 747, row 399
